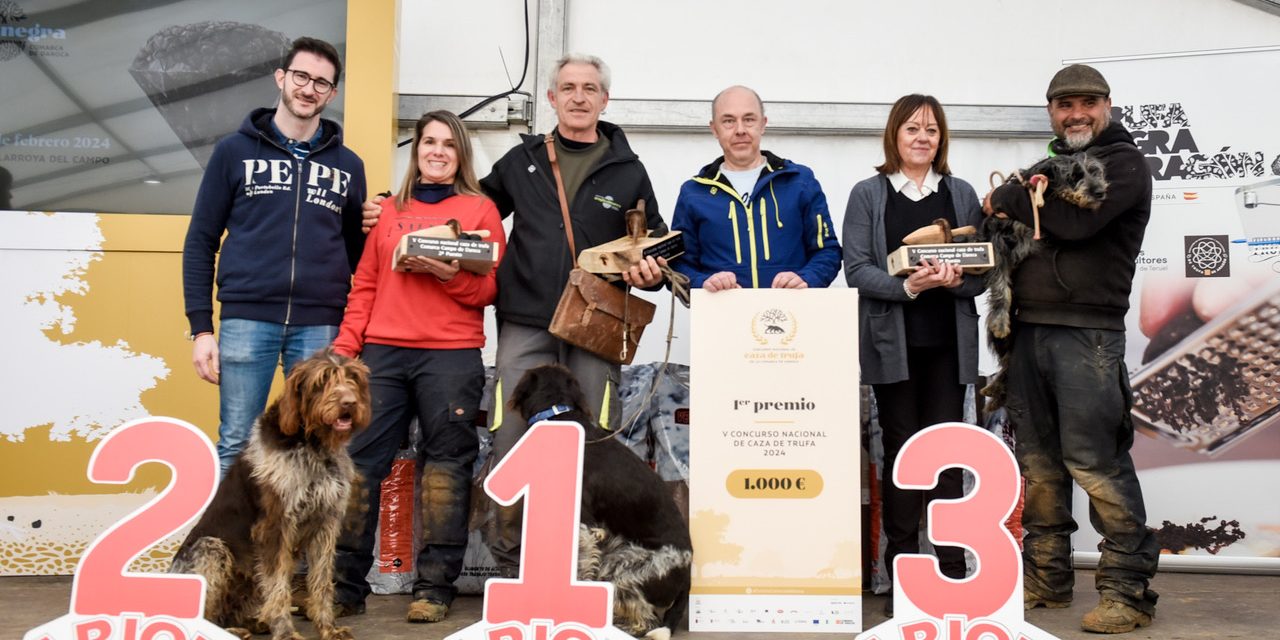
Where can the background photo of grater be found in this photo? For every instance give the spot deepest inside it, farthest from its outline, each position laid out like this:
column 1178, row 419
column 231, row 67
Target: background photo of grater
column 1218, row 385
column 1259, row 207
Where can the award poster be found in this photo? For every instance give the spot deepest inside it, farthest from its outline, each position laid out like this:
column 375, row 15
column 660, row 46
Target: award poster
column 774, row 462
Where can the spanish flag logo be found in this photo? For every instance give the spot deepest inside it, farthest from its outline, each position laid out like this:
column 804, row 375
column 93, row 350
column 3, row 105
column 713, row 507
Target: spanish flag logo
column 1190, row 195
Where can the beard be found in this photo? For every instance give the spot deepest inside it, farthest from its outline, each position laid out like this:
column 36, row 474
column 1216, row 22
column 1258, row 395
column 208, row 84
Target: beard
column 290, row 103
column 1078, row 141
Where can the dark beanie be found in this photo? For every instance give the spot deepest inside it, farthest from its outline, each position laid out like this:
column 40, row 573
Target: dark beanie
column 1077, row 80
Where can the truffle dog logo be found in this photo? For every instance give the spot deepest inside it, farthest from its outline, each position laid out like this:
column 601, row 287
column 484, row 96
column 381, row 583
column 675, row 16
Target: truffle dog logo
column 11, row 46
column 1207, row 257
column 773, row 326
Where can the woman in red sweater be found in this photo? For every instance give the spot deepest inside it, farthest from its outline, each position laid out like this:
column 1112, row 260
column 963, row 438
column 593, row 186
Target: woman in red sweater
column 420, row 331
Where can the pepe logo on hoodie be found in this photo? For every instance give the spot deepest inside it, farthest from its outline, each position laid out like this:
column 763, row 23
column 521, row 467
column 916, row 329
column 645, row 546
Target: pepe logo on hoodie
column 326, row 186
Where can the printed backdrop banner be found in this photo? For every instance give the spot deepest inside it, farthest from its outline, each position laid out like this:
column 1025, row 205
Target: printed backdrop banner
column 774, row 470
column 1204, row 328
column 117, row 108
column 107, row 113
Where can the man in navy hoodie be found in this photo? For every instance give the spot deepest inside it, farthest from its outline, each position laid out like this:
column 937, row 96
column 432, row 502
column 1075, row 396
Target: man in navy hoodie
column 287, row 194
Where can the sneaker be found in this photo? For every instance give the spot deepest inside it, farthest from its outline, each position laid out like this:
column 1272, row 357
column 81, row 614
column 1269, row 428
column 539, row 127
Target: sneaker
column 1031, row 601
column 1114, row 617
column 427, row 611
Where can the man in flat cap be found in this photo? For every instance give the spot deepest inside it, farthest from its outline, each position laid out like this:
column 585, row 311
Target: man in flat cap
column 1068, row 388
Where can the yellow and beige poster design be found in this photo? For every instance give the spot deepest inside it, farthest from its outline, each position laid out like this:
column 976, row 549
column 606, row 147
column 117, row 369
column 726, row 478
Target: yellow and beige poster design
column 774, row 461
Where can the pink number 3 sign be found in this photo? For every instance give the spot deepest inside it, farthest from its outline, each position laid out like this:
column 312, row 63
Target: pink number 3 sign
column 109, row 602
column 987, row 605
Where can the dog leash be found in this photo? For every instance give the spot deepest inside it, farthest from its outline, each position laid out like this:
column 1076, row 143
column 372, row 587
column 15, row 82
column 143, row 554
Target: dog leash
column 1038, row 185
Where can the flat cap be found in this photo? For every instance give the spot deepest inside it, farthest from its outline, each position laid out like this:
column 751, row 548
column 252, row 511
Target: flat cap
column 1077, row 80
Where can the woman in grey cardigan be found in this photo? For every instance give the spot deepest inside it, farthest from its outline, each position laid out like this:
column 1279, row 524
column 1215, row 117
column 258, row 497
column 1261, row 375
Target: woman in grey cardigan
column 918, row 334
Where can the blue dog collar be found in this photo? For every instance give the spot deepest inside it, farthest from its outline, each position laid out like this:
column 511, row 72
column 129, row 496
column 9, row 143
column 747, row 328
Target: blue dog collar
column 549, row 413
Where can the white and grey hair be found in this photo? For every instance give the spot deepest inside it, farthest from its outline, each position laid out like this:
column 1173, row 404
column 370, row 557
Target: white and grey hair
column 581, row 58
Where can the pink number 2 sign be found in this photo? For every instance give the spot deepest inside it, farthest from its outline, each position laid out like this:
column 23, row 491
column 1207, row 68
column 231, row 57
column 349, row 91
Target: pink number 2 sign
column 986, row 605
column 547, row 601
column 109, row 602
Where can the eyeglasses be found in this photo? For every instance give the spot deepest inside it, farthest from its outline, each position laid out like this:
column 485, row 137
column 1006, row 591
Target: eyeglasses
column 302, row 79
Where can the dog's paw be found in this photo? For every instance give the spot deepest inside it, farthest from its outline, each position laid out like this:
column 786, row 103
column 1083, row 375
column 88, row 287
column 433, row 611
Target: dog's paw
column 239, row 632
column 661, row 633
column 337, row 633
column 287, row 635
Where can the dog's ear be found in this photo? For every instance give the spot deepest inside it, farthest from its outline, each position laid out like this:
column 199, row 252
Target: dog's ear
column 291, row 400
column 359, row 373
column 519, row 395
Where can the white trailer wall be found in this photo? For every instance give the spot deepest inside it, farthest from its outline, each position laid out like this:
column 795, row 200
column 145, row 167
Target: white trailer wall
column 981, row 52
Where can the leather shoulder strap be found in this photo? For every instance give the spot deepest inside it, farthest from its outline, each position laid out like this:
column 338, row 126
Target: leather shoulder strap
column 564, row 204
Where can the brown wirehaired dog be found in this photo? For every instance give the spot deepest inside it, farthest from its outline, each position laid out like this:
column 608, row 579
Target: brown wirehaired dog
column 287, row 491
column 631, row 531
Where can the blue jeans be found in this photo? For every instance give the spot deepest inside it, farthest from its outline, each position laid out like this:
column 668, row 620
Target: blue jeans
column 1069, row 402
column 441, row 388
column 248, row 353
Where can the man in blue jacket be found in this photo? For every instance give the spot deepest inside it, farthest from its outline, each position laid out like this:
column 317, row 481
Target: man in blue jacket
column 287, row 194
column 750, row 218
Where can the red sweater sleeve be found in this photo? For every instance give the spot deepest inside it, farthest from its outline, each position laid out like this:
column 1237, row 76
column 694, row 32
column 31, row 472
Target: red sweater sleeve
column 480, row 290
column 364, row 289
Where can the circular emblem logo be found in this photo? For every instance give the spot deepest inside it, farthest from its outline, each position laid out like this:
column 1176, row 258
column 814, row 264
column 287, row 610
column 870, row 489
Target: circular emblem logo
column 1207, row 255
column 773, row 326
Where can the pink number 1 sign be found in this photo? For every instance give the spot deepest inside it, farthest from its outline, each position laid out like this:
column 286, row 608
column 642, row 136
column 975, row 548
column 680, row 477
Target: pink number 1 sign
column 547, row 601
column 109, row 602
column 986, row 605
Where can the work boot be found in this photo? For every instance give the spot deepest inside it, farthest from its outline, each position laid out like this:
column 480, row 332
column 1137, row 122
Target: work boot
column 427, row 611
column 1031, row 601
column 1114, row 617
